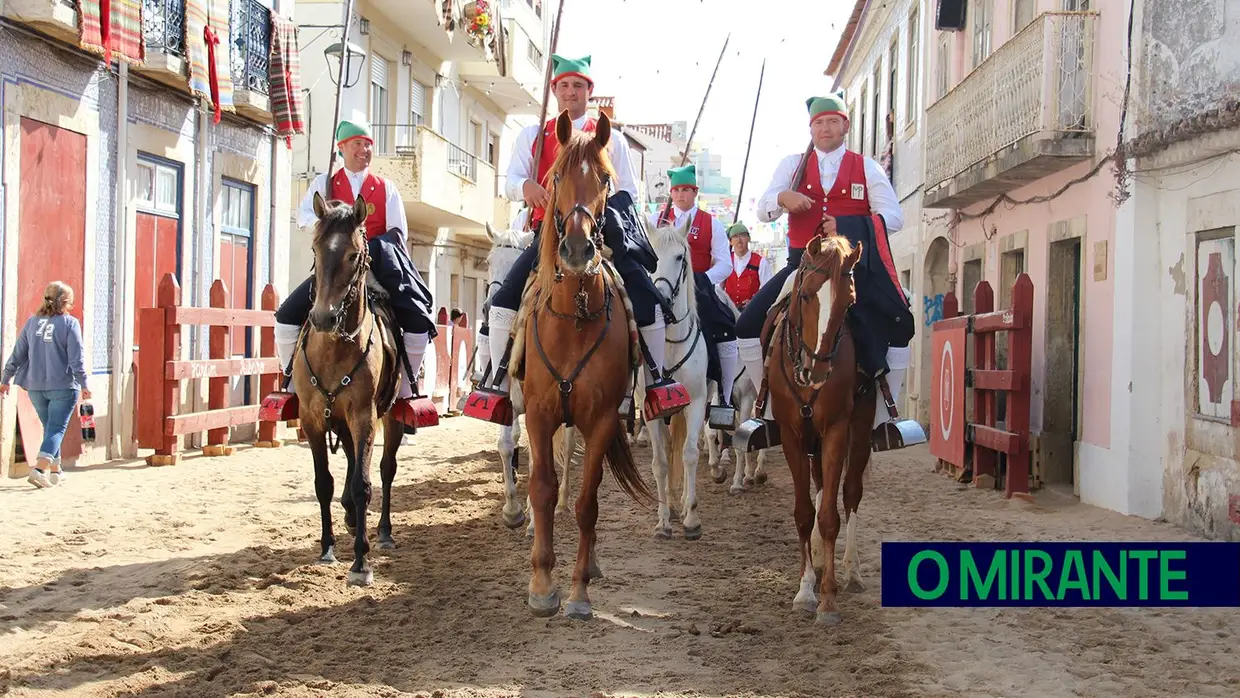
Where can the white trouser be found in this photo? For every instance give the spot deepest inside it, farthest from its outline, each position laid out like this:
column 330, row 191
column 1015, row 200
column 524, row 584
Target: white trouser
column 729, row 366
column 415, row 348
column 286, row 343
column 749, row 350
column 499, row 322
column 655, row 335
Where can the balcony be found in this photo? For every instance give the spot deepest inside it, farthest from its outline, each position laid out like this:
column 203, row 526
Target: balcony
column 443, row 186
column 249, row 56
column 419, row 19
column 56, row 18
column 1023, row 114
column 163, row 29
column 514, row 82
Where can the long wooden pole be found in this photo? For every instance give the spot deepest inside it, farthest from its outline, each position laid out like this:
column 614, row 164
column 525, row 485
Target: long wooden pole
column 684, row 157
column 749, row 146
column 542, row 118
column 340, row 76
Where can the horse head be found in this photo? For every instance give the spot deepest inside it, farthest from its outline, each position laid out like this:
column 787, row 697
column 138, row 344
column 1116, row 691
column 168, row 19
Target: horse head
column 341, row 261
column 821, row 296
column 581, row 179
column 674, row 276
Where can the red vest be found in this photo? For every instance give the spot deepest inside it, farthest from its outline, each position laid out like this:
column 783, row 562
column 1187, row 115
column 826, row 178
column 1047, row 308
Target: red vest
column 742, row 288
column 701, row 234
column 374, row 193
column 551, row 148
column 839, row 201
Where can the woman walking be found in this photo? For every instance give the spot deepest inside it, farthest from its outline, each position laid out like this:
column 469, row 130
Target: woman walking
column 47, row 363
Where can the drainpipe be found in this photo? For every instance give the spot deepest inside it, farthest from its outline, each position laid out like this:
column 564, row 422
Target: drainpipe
column 120, row 441
column 271, row 219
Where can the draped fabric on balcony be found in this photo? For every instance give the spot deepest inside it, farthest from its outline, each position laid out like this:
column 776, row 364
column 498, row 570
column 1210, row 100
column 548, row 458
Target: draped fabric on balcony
column 284, row 72
column 112, row 26
column 207, row 41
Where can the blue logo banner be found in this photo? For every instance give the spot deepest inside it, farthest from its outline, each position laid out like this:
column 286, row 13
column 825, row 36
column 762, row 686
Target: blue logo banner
column 963, row 574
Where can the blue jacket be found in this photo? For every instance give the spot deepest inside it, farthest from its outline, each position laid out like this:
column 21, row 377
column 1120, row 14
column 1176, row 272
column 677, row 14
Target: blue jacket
column 48, row 355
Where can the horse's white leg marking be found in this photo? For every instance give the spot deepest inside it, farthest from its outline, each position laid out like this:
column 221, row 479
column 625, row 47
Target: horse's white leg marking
column 806, row 599
column 658, row 446
column 815, row 538
column 852, row 560
column 695, row 415
column 513, row 514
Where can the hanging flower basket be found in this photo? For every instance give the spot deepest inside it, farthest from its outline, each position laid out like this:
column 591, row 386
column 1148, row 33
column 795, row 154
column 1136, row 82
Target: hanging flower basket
column 479, row 22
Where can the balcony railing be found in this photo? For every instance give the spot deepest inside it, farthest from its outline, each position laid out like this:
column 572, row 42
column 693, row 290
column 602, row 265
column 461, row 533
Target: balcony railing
column 1040, row 81
column 460, row 162
column 251, row 45
column 395, row 140
column 163, row 26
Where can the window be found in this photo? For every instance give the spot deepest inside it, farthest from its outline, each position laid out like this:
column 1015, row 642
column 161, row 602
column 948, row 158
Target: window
column 1023, row 12
column 157, row 228
column 417, row 103
column 875, row 112
column 379, row 102
column 914, row 55
column 159, row 187
column 1076, row 5
column 236, row 257
column 893, row 76
column 863, row 122
column 981, row 31
column 493, row 149
column 942, row 67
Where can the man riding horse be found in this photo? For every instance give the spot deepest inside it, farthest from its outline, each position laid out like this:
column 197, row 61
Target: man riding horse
column 711, row 263
column 838, row 191
column 623, row 233
column 387, row 231
column 750, row 270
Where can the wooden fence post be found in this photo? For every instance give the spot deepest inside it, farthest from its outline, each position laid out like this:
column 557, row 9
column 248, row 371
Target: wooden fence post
column 984, row 412
column 217, row 386
column 167, row 297
column 1020, row 359
column 268, row 382
column 951, row 306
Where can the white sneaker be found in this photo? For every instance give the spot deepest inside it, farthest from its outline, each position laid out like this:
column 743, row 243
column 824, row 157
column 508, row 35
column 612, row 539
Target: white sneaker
column 38, row 479
column 56, row 477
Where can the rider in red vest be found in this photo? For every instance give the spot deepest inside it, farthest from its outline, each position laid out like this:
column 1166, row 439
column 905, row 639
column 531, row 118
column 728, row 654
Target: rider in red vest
column 387, row 233
column 846, row 193
column 711, row 265
column 750, row 270
column 632, row 256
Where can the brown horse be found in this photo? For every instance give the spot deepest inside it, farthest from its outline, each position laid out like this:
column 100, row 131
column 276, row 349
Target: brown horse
column 579, row 357
column 347, row 378
column 823, row 420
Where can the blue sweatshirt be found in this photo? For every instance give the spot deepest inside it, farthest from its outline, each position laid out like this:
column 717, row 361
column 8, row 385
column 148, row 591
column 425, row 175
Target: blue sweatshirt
column 48, row 355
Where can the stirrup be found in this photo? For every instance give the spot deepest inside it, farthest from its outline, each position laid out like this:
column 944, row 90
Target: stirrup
column 890, row 436
column 756, row 434
column 664, row 399
column 415, row 413
column 722, row 417
column 279, row 406
column 489, row 405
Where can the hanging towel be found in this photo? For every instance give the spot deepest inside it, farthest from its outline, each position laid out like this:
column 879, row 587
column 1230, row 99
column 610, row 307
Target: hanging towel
column 112, row 26
column 207, row 46
column 284, row 79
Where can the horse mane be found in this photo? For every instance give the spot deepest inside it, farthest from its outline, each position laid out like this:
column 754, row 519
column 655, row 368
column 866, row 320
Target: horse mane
column 337, row 220
column 666, row 236
column 578, row 151
column 835, row 248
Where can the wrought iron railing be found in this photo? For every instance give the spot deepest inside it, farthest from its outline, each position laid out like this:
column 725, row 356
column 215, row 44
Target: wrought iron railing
column 1041, row 80
column 251, row 45
column 163, row 26
column 395, row 140
column 461, row 162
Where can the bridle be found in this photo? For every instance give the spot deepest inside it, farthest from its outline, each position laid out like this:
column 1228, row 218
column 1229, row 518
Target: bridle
column 694, row 331
column 801, row 356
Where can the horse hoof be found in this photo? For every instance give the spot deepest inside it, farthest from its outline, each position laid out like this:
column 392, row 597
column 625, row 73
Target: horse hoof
column 352, row 531
column 663, row 533
column 734, row 490
column 693, row 533
column 805, row 605
column 386, row 543
column 328, row 557
column 361, row 579
column 579, row 610
column 723, row 475
column 760, row 478
column 544, row 606
column 516, row 521
column 828, row 618
column 594, row 571
column 854, row 586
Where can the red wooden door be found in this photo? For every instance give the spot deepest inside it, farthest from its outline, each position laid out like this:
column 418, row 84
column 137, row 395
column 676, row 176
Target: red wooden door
column 156, row 255
column 51, row 243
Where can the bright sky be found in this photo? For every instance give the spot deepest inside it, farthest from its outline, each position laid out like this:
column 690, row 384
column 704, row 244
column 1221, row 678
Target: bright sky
column 656, row 56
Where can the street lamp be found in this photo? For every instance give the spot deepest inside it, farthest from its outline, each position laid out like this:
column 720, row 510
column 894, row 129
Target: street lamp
column 357, row 55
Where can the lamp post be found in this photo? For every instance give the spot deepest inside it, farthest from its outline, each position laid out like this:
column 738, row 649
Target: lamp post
column 344, row 53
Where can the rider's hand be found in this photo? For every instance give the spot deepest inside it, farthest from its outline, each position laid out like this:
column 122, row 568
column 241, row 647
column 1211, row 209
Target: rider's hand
column 4, row 389
column 535, row 196
column 795, row 202
column 828, row 225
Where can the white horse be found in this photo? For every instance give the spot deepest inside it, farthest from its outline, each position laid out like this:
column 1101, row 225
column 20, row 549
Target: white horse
column 505, row 248
column 676, row 453
column 744, row 395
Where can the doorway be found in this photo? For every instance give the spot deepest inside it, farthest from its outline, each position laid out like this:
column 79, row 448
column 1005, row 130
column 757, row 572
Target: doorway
column 935, row 288
column 1061, row 419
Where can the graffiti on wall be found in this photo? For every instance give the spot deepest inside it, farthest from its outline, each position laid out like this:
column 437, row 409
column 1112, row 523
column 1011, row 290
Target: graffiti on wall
column 932, row 308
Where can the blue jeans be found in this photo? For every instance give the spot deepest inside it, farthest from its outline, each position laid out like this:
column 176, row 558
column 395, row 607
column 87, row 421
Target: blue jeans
column 54, row 408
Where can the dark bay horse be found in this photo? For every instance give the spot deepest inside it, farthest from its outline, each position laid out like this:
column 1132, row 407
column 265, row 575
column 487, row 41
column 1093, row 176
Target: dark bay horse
column 578, row 359
column 823, row 421
column 347, row 377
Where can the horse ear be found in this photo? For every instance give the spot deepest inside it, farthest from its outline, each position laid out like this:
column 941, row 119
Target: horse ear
column 490, row 233
column 851, row 260
column 602, row 130
column 359, row 211
column 320, row 206
column 563, row 128
column 815, row 246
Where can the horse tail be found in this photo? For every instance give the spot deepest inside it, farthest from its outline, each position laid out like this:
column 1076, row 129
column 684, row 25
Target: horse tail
column 678, row 433
column 563, row 456
column 624, row 469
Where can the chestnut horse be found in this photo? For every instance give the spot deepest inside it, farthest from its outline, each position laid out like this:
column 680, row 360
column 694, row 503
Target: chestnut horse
column 823, row 420
column 578, row 356
column 347, row 378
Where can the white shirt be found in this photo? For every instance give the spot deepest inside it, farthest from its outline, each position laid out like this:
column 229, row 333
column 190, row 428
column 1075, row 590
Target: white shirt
column 395, row 207
column 720, row 250
column 883, row 199
column 520, row 165
column 764, row 267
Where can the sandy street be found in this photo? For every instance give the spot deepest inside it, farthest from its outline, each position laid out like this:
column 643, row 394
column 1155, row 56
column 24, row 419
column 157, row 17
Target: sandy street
column 196, row 580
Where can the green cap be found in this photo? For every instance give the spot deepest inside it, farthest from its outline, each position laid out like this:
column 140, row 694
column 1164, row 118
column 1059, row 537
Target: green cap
column 347, row 130
column 683, row 176
column 562, row 67
column 737, row 228
column 831, row 104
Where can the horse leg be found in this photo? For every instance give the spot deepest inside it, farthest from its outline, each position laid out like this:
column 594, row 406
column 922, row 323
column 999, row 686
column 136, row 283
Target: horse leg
column 569, row 444
column 513, row 515
column 694, row 424
column 393, row 433
column 834, row 449
column 716, row 454
column 859, row 436
column 324, row 487
column 544, row 598
column 363, row 438
column 803, row 515
column 587, row 516
column 658, row 448
column 346, row 497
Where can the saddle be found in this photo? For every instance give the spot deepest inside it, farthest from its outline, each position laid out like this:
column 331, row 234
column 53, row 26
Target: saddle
column 390, row 342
